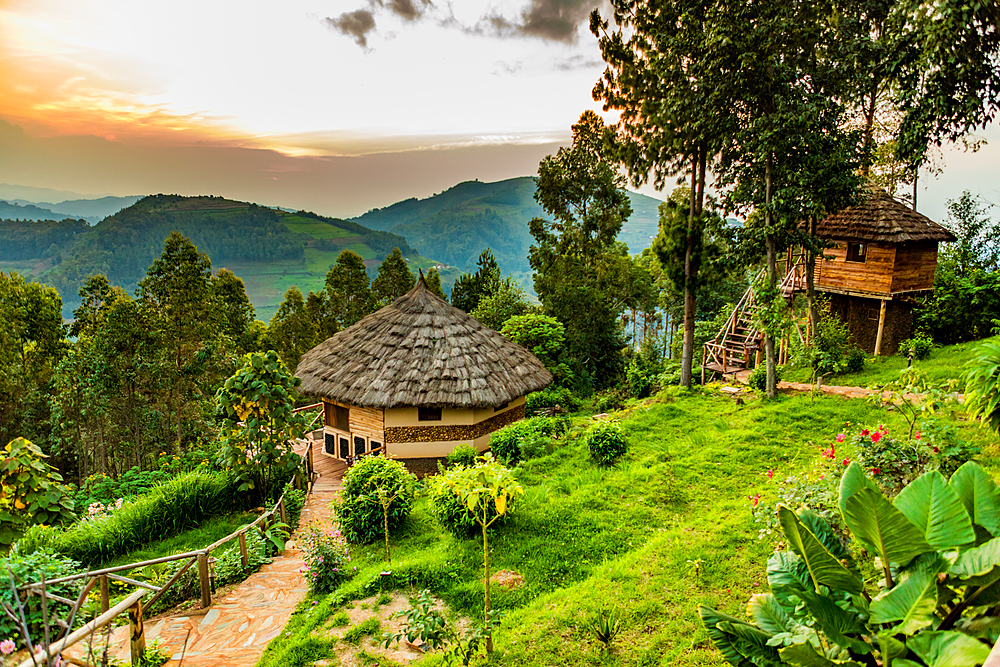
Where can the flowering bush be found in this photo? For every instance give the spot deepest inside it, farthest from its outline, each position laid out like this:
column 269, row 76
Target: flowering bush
column 817, row 491
column 327, row 562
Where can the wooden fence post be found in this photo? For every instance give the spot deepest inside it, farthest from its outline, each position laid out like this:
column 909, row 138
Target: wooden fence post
column 206, row 585
column 105, row 597
column 281, row 510
column 137, row 633
column 243, row 551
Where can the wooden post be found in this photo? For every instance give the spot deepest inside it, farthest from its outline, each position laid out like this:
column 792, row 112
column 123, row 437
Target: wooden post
column 137, row 633
column 704, row 360
column 206, row 585
column 243, row 551
column 881, row 326
column 281, row 510
column 105, row 597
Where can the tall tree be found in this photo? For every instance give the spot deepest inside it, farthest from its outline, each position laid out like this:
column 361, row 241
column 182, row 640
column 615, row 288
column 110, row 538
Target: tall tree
column 470, row 288
column 292, row 331
column 237, row 313
column 667, row 75
column 177, row 288
column 349, row 290
column 578, row 267
column 394, row 279
column 433, row 280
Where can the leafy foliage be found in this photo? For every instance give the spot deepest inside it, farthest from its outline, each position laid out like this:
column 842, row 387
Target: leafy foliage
column 462, row 455
column 982, row 387
column 925, row 607
column 919, row 345
column 545, row 338
column 29, row 568
column 256, row 405
column 394, row 279
column 358, row 510
column 606, row 442
column 470, row 289
column 509, row 301
column 422, row 623
column 758, row 378
column 550, row 398
column 914, row 395
column 30, row 492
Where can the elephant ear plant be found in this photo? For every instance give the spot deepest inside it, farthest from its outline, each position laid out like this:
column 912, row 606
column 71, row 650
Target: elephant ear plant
column 933, row 598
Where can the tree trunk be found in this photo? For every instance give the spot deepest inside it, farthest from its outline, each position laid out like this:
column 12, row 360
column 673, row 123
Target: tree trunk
column 687, row 354
column 916, row 177
column 486, row 587
column 772, row 277
column 811, row 280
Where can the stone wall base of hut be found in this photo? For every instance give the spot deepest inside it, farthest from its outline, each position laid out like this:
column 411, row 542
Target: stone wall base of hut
column 861, row 316
column 424, row 466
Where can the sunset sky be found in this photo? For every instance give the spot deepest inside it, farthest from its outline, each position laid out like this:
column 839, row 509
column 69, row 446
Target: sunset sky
column 334, row 106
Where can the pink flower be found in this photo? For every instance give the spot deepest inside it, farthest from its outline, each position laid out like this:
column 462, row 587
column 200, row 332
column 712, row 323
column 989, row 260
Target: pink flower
column 7, row 646
column 770, row 474
column 918, row 435
column 865, row 431
column 876, row 436
column 935, row 449
column 876, row 471
column 840, row 437
column 847, row 462
column 755, row 499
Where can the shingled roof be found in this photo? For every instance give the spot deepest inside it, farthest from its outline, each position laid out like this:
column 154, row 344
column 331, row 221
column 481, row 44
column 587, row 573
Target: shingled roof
column 881, row 218
column 420, row 352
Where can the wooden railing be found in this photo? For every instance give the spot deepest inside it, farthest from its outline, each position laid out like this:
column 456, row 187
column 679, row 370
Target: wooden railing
column 133, row 603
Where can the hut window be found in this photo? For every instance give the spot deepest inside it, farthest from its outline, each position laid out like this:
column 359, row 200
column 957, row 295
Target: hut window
column 338, row 417
column 428, row 414
column 345, row 447
column 330, row 444
column 359, row 445
column 856, row 252
column 374, row 447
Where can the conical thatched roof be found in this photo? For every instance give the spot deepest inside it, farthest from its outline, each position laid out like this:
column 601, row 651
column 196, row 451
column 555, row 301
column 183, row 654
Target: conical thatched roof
column 420, row 352
column 881, row 218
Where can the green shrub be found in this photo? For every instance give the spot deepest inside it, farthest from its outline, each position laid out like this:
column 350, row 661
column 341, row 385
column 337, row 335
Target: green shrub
column 921, row 345
column 449, row 510
column 28, row 569
column 526, row 439
column 180, row 504
column 550, row 398
column 229, row 563
column 856, row 361
column 462, row 456
column 295, row 500
column 927, row 603
column 358, row 510
column 758, row 377
column 606, row 442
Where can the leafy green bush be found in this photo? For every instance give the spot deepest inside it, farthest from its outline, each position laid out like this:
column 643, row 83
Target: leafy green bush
column 855, row 361
column 526, row 439
column 327, row 562
column 606, row 442
column 33, row 492
column 463, row 455
column 295, row 500
column 550, row 398
column 168, row 509
column 28, row 569
column 358, row 510
column 609, row 401
column 448, row 509
column 758, row 377
column 921, row 345
column 934, row 546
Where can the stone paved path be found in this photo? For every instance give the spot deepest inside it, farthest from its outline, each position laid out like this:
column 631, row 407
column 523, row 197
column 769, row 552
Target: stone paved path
column 847, row 392
column 234, row 631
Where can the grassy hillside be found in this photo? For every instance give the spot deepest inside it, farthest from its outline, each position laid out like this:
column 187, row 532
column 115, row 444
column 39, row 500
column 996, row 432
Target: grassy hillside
column 458, row 223
column 667, row 529
column 270, row 249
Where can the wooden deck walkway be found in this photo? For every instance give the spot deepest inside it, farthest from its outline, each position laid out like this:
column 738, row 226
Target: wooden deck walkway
column 330, row 470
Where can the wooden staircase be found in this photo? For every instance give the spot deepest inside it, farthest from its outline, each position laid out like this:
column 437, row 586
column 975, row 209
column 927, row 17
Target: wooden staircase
column 737, row 344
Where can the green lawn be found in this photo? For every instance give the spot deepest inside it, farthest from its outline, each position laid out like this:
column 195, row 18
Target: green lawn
column 317, row 229
column 944, row 363
column 666, row 530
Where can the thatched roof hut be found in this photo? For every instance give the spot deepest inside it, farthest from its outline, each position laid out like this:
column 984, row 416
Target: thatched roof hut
column 420, row 351
column 883, row 219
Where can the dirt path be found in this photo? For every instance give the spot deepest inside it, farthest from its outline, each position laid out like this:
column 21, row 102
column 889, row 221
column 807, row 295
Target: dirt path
column 234, row 631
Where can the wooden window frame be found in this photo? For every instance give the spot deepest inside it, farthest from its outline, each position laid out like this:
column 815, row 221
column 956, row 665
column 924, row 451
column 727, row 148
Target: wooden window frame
column 859, row 254
column 429, row 414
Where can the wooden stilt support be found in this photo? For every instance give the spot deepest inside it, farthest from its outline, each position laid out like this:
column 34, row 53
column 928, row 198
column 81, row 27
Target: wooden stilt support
column 881, row 326
column 243, row 551
column 137, row 633
column 281, row 510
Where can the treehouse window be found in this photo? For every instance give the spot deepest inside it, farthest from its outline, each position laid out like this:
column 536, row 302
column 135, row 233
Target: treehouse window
column 428, row 414
column 856, row 252
column 340, row 417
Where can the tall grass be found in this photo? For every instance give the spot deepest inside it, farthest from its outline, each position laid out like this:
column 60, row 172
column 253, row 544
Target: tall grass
column 168, row 509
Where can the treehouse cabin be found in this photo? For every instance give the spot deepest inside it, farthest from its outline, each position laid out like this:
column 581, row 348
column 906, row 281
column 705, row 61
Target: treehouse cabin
column 881, row 256
column 415, row 380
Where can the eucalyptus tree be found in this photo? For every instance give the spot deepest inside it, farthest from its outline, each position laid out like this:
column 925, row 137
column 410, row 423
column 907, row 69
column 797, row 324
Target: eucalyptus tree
column 669, row 76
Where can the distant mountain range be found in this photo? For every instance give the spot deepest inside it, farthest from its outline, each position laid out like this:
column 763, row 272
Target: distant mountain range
column 91, row 210
column 457, row 224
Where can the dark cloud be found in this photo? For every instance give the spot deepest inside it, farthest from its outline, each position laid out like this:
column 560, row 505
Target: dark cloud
column 356, row 24
column 405, row 9
column 575, row 62
column 553, row 20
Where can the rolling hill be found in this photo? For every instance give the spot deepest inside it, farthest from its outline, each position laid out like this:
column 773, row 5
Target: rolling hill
column 270, row 249
column 455, row 225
